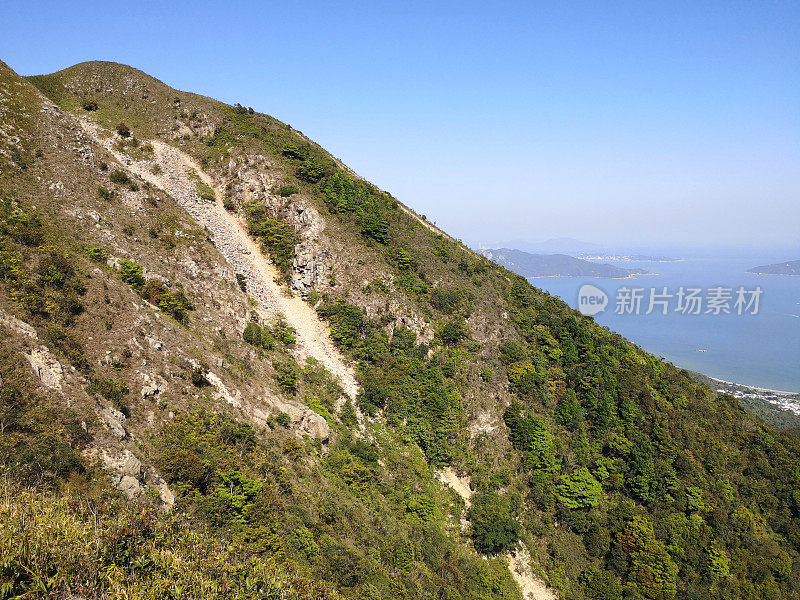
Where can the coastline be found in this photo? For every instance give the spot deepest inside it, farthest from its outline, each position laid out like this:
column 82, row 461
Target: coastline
column 755, row 387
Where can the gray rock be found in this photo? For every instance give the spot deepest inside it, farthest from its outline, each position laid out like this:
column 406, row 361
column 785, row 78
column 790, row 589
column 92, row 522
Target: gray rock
column 128, row 485
column 115, row 420
column 46, row 367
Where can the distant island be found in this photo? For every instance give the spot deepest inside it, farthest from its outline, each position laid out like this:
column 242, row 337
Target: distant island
column 555, row 265
column 628, row 258
column 785, row 268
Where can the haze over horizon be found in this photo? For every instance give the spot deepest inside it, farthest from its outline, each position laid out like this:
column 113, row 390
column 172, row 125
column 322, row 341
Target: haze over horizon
column 671, row 124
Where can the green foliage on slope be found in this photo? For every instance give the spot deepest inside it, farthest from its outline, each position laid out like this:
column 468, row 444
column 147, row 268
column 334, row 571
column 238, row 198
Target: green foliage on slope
column 650, row 470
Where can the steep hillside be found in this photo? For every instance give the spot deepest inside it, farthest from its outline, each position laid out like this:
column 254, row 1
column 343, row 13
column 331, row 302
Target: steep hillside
column 272, row 359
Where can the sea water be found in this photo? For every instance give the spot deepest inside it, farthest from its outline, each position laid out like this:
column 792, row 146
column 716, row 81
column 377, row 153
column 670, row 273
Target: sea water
column 761, row 350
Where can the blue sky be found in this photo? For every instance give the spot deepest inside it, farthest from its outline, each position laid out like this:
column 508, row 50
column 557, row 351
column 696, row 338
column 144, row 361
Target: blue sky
column 640, row 122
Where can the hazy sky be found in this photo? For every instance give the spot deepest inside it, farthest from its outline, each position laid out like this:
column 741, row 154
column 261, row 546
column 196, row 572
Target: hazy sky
column 663, row 121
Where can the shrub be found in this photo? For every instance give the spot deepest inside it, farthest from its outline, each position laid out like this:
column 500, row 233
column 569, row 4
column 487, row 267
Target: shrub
column 131, row 273
column 24, row 229
column 347, row 322
column 174, row 304
column 252, row 333
column 283, row 332
column 119, row 177
column 123, row 130
column 229, row 204
column 259, row 336
column 241, row 281
column 115, row 392
column 287, row 190
column 446, row 300
column 204, row 191
column 579, row 490
column 283, row 419
column 511, row 352
column 345, row 194
column 198, row 377
column 277, row 235
column 267, row 339
column 98, row 254
column 89, row 104
column 104, row 193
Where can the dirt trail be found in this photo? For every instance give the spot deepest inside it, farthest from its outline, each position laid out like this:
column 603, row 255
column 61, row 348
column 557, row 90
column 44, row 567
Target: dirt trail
column 238, row 248
column 533, row 588
column 519, row 561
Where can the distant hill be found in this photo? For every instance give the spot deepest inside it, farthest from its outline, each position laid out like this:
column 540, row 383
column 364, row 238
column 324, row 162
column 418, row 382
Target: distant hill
column 562, row 245
column 786, row 268
column 554, row 265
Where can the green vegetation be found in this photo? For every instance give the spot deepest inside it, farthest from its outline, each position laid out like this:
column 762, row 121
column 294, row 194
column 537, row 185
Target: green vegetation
column 359, row 200
column 286, row 376
column 115, row 392
column 276, row 235
column 120, row 178
column 175, row 304
column 204, row 191
column 494, row 529
column 42, row 280
column 155, row 291
column 613, row 446
column 287, row 190
column 104, row 193
column 98, row 254
column 104, row 546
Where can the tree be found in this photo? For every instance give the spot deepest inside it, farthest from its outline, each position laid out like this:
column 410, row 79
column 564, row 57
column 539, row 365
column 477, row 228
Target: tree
column 494, row 529
column 579, row 490
column 569, row 411
column 651, row 567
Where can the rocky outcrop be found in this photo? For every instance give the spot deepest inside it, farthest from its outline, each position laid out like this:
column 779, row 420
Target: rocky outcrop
column 17, row 326
column 308, row 269
column 46, row 367
column 131, row 477
column 115, row 421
